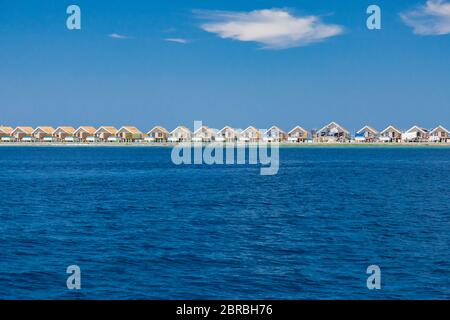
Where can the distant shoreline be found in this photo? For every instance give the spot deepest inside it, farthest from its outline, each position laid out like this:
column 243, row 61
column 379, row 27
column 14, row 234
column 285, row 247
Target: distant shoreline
column 282, row 145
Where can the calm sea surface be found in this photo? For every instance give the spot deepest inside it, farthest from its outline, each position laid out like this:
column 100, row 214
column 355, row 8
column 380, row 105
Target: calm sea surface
column 140, row 227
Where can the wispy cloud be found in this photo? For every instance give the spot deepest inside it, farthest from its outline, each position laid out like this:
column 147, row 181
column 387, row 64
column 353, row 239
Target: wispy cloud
column 118, row 36
column 271, row 28
column 178, row 40
column 433, row 18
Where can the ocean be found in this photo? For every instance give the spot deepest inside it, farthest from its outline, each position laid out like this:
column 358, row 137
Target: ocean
column 140, row 227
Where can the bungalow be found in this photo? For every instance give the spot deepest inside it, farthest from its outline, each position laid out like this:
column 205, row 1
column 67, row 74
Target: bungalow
column 366, row 134
column 204, row 134
column 6, row 133
column 251, row 134
column 440, row 134
column 391, row 134
column 157, row 134
column 333, row 132
column 43, row 133
column 23, row 134
column 64, row 134
column 129, row 134
column 298, row 134
column 416, row 134
column 180, row 134
column 227, row 134
column 106, row 134
column 85, row 133
column 274, row 134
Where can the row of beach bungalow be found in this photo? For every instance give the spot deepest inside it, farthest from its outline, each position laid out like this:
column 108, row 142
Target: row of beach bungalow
column 331, row 133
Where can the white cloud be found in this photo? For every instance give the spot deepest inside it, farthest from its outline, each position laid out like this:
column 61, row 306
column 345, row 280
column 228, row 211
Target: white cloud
column 271, row 28
column 433, row 18
column 118, row 36
column 177, row 40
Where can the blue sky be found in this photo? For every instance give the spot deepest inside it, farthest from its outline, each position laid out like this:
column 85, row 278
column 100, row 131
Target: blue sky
column 228, row 62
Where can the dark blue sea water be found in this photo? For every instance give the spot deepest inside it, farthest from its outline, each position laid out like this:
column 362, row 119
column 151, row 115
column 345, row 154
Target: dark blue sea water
column 140, row 227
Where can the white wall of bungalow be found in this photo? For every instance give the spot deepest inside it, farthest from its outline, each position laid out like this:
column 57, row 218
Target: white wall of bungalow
column 203, row 134
column 106, row 134
column 332, row 132
column 390, row 134
column 367, row 134
column 274, row 134
column 6, row 133
column 64, row 134
column 44, row 133
column 416, row 134
column 157, row 134
column 440, row 134
column 227, row 134
column 23, row 134
column 180, row 134
column 297, row 134
column 129, row 134
column 85, row 133
column 250, row 134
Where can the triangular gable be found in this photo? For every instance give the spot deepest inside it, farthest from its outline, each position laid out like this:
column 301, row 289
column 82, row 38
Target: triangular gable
column 367, row 128
column 229, row 128
column 68, row 130
column 201, row 129
column 158, row 128
column 109, row 129
column 297, row 128
column 182, row 128
column 47, row 130
column 440, row 128
column 26, row 130
column 424, row 131
column 334, row 124
column 130, row 129
column 391, row 128
column 274, row 128
column 250, row 128
column 87, row 129
column 6, row 130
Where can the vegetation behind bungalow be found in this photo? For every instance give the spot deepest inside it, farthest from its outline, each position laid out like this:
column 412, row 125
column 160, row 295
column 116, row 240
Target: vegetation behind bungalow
column 332, row 133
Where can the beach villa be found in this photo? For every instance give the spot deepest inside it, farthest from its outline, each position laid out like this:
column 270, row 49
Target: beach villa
column 157, row 134
column 129, row 134
column 366, row 134
column 227, row 134
column 107, row 134
column 390, row 134
column 333, row 132
column 85, row 133
column 416, row 134
column 297, row 134
column 64, row 134
column 439, row 134
column 274, row 134
column 203, row 134
column 23, row 134
column 180, row 134
column 251, row 134
column 44, row 134
column 6, row 133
